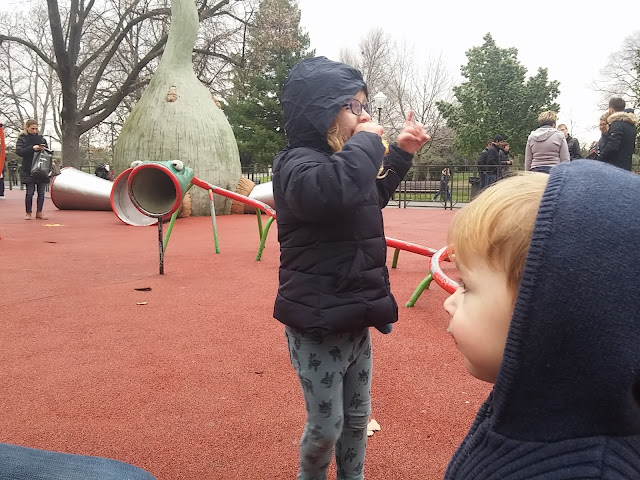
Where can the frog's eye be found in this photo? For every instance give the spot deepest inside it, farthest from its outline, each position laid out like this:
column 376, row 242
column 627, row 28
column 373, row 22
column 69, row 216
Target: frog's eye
column 136, row 163
column 177, row 164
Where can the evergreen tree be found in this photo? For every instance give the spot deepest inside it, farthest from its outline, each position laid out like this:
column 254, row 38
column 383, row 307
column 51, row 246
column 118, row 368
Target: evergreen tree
column 497, row 98
column 276, row 43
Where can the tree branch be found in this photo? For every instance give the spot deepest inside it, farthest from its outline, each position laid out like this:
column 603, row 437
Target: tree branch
column 31, row 47
column 118, row 35
column 218, row 55
column 107, row 58
column 112, row 103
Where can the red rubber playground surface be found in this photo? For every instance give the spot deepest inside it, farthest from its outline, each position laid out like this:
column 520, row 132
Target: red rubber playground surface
column 191, row 380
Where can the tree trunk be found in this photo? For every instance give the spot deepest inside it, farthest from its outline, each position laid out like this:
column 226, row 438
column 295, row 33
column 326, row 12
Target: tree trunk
column 71, row 145
column 71, row 132
column 177, row 119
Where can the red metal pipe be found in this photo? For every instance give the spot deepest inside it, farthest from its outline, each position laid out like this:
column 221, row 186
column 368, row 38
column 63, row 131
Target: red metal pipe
column 235, row 196
column 410, row 247
column 438, row 275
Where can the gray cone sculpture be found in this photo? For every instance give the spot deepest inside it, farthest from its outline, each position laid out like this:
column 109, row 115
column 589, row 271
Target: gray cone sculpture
column 177, row 119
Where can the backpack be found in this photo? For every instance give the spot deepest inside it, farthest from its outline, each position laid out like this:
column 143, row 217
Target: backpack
column 41, row 165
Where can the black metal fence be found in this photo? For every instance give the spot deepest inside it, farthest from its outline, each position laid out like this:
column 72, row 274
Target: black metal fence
column 257, row 174
column 422, row 187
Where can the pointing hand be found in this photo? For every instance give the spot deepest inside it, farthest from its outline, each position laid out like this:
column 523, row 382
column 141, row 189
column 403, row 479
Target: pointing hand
column 413, row 136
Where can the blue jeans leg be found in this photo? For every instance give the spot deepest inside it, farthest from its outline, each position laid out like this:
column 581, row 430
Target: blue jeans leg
column 541, row 169
column 22, row 463
column 28, row 199
column 40, row 202
column 483, row 181
column 491, row 178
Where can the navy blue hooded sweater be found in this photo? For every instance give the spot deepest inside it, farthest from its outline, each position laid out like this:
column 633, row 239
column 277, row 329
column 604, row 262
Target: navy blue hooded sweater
column 333, row 274
column 566, row 403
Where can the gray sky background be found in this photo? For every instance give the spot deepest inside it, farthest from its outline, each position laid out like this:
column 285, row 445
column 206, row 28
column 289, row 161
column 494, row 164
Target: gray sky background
column 572, row 39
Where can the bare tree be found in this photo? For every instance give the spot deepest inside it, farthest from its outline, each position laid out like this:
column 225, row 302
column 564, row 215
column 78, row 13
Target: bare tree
column 372, row 59
column 391, row 68
column 418, row 87
column 103, row 53
column 26, row 91
column 348, row 57
column 621, row 76
column 375, row 50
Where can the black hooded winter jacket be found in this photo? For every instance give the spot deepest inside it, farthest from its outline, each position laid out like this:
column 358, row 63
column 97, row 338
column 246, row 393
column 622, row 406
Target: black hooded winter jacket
column 333, row 274
column 24, row 148
column 621, row 140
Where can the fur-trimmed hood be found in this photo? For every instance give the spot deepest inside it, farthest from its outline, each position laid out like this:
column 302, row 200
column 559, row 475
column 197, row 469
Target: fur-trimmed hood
column 623, row 117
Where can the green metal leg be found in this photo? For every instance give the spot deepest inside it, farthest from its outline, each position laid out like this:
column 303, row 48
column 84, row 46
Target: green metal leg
column 170, row 229
column 424, row 284
column 259, row 216
column 396, row 254
column 172, row 222
column 213, row 222
column 263, row 239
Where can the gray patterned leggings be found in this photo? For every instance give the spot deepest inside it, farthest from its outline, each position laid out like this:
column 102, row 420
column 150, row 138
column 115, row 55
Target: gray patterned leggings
column 335, row 375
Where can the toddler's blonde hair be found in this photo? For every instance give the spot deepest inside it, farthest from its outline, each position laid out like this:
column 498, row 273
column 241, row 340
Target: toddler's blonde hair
column 498, row 224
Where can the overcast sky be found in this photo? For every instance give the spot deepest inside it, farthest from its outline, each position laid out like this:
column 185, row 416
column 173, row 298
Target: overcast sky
column 572, row 39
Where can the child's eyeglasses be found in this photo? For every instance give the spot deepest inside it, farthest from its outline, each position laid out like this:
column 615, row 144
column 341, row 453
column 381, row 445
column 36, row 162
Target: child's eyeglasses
column 356, row 106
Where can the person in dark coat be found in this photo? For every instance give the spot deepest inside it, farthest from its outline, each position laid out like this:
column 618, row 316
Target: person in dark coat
column 621, row 138
column 482, row 165
column 555, row 412
column 444, row 191
column 572, row 143
column 29, row 142
column 329, row 186
column 13, row 166
column 494, row 160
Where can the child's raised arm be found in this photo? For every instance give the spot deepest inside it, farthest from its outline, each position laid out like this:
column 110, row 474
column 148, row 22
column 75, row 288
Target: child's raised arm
column 413, row 136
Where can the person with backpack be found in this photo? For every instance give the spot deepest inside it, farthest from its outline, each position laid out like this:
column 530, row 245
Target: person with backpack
column 29, row 142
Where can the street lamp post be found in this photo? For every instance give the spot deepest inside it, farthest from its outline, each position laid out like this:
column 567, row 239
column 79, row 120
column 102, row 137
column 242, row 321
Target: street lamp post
column 379, row 100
